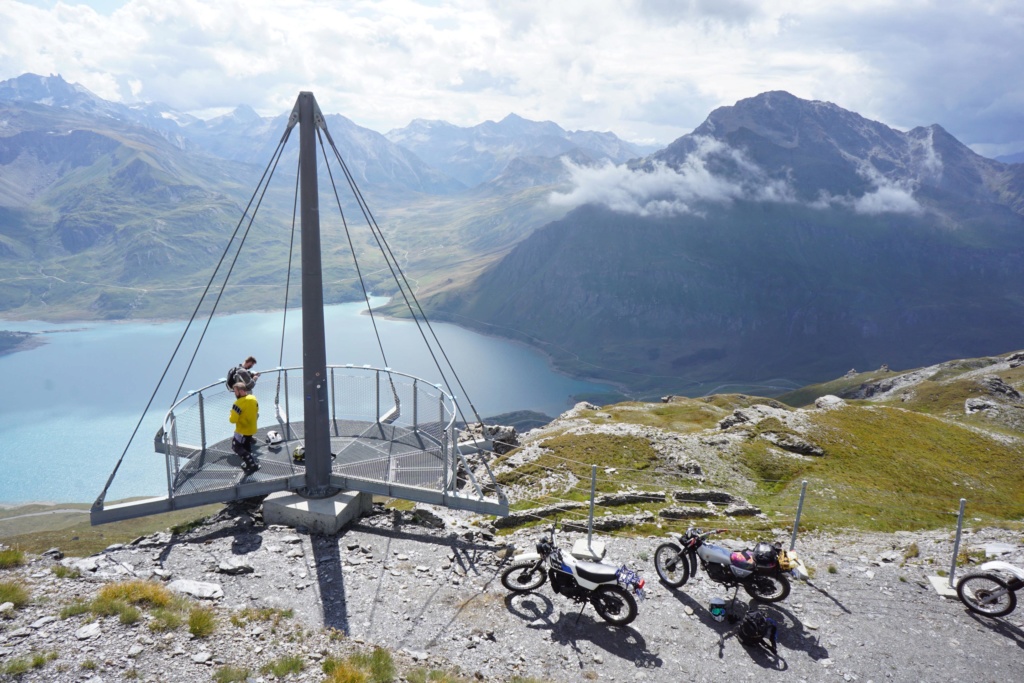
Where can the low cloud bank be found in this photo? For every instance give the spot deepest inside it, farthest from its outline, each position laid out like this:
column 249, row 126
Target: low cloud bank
column 666, row 191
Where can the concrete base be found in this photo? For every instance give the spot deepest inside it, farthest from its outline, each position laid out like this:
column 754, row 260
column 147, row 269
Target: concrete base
column 593, row 553
column 319, row 515
column 942, row 587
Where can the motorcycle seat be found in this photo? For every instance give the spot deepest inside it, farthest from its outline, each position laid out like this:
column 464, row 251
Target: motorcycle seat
column 596, row 572
column 743, row 560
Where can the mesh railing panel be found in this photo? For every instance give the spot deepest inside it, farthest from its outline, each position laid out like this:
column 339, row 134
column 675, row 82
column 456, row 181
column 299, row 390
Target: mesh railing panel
column 412, row 446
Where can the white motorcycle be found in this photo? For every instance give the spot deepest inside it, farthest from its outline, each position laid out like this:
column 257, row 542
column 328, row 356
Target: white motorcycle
column 991, row 592
column 609, row 589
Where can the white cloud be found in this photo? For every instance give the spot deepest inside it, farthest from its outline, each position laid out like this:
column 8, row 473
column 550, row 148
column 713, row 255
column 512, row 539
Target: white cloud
column 645, row 69
column 665, row 191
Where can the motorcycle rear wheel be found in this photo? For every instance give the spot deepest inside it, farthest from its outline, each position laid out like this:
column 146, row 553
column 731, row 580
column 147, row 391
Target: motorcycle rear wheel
column 767, row 588
column 614, row 604
column 671, row 564
column 522, row 576
column 986, row 594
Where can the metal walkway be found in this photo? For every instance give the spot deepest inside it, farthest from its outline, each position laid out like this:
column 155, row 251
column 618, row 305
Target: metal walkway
column 391, row 434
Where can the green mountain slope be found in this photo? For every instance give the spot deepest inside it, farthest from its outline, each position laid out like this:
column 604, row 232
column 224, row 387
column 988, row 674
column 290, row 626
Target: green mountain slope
column 751, row 294
column 901, row 459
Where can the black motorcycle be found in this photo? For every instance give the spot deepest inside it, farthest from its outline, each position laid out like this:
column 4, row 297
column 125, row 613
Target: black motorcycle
column 763, row 572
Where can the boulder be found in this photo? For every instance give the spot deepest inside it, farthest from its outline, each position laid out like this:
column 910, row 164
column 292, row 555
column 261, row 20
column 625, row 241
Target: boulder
column 829, row 402
column 792, row 443
column 197, row 589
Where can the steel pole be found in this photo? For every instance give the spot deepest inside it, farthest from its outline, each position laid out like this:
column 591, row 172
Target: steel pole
column 956, row 544
column 314, row 351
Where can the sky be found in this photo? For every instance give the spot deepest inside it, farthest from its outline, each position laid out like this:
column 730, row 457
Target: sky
column 648, row 70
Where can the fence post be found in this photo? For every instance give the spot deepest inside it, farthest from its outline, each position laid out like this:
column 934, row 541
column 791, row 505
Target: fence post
column 799, row 509
column 590, row 522
column 956, row 543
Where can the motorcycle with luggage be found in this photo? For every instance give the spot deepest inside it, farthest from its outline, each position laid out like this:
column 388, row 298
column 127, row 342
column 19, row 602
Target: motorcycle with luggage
column 764, row 571
column 613, row 591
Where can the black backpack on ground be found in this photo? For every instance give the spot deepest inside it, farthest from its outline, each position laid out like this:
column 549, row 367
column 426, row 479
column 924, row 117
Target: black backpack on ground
column 757, row 629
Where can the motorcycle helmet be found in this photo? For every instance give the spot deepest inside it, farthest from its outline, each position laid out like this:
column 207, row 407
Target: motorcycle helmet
column 299, row 454
column 274, row 438
column 717, row 609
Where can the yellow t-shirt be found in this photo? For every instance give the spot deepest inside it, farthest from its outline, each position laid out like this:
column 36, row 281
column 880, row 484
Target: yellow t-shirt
column 244, row 414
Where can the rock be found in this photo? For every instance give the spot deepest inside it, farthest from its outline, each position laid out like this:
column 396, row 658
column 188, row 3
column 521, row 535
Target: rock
column 997, row 387
column 202, row 657
column 292, row 538
column 704, row 495
column 197, row 589
column 425, row 516
column 630, row 497
column 55, row 553
column 829, row 402
column 235, row 566
column 6, row 608
column 88, row 631
column 977, row 405
column 676, row 512
column 792, row 443
column 41, row 622
column 742, row 510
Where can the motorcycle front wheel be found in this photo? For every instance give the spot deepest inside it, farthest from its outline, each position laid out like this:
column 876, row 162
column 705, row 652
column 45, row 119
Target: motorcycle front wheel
column 671, row 564
column 522, row 576
column 767, row 588
column 614, row 604
column 986, row 594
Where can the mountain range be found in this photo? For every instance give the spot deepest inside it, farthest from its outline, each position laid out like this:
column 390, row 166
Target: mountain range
column 782, row 242
column 785, row 241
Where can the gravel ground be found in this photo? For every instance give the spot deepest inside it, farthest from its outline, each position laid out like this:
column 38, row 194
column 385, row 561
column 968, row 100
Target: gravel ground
column 432, row 596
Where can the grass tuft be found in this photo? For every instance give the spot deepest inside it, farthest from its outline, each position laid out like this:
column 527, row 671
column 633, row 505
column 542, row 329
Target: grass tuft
column 231, row 674
column 281, row 667
column 14, row 592
column 202, row 621
column 11, row 558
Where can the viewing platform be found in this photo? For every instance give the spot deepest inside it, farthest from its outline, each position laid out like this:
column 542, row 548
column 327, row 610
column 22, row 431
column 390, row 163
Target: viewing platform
column 391, row 434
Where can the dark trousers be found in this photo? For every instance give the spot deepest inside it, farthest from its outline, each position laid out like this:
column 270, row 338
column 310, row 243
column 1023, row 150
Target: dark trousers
column 242, row 446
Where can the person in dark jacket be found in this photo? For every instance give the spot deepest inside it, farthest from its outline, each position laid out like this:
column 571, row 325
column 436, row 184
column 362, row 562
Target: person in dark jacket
column 243, row 373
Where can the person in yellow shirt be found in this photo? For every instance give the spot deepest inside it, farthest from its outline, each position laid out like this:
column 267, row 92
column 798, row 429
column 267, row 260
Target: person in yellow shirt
column 244, row 415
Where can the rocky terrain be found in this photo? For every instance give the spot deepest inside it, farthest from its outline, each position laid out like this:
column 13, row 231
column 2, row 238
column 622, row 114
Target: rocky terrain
column 424, row 585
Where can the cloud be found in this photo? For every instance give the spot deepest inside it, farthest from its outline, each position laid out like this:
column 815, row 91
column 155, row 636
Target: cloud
column 664, row 191
column 645, row 69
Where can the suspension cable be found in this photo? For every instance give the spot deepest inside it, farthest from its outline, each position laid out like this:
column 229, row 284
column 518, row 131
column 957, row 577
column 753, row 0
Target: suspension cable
column 352, row 248
column 399, row 278
column 263, row 182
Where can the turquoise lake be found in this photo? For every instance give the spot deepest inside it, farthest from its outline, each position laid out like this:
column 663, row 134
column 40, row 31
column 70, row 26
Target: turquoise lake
column 70, row 405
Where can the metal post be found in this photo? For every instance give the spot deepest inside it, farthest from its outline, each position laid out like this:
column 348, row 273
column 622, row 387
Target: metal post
column 956, row 543
column 376, row 392
column 314, row 351
column 799, row 509
column 593, row 489
column 415, row 407
column 167, row 450
column 287, row 408
column 334, row 404
column 202, row 423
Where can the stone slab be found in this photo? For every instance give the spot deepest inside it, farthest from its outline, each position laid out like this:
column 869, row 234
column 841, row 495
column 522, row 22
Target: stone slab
column 318, row 515
column 942, row 587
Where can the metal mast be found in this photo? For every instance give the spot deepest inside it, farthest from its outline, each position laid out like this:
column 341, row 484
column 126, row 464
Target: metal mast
column 314, row 351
